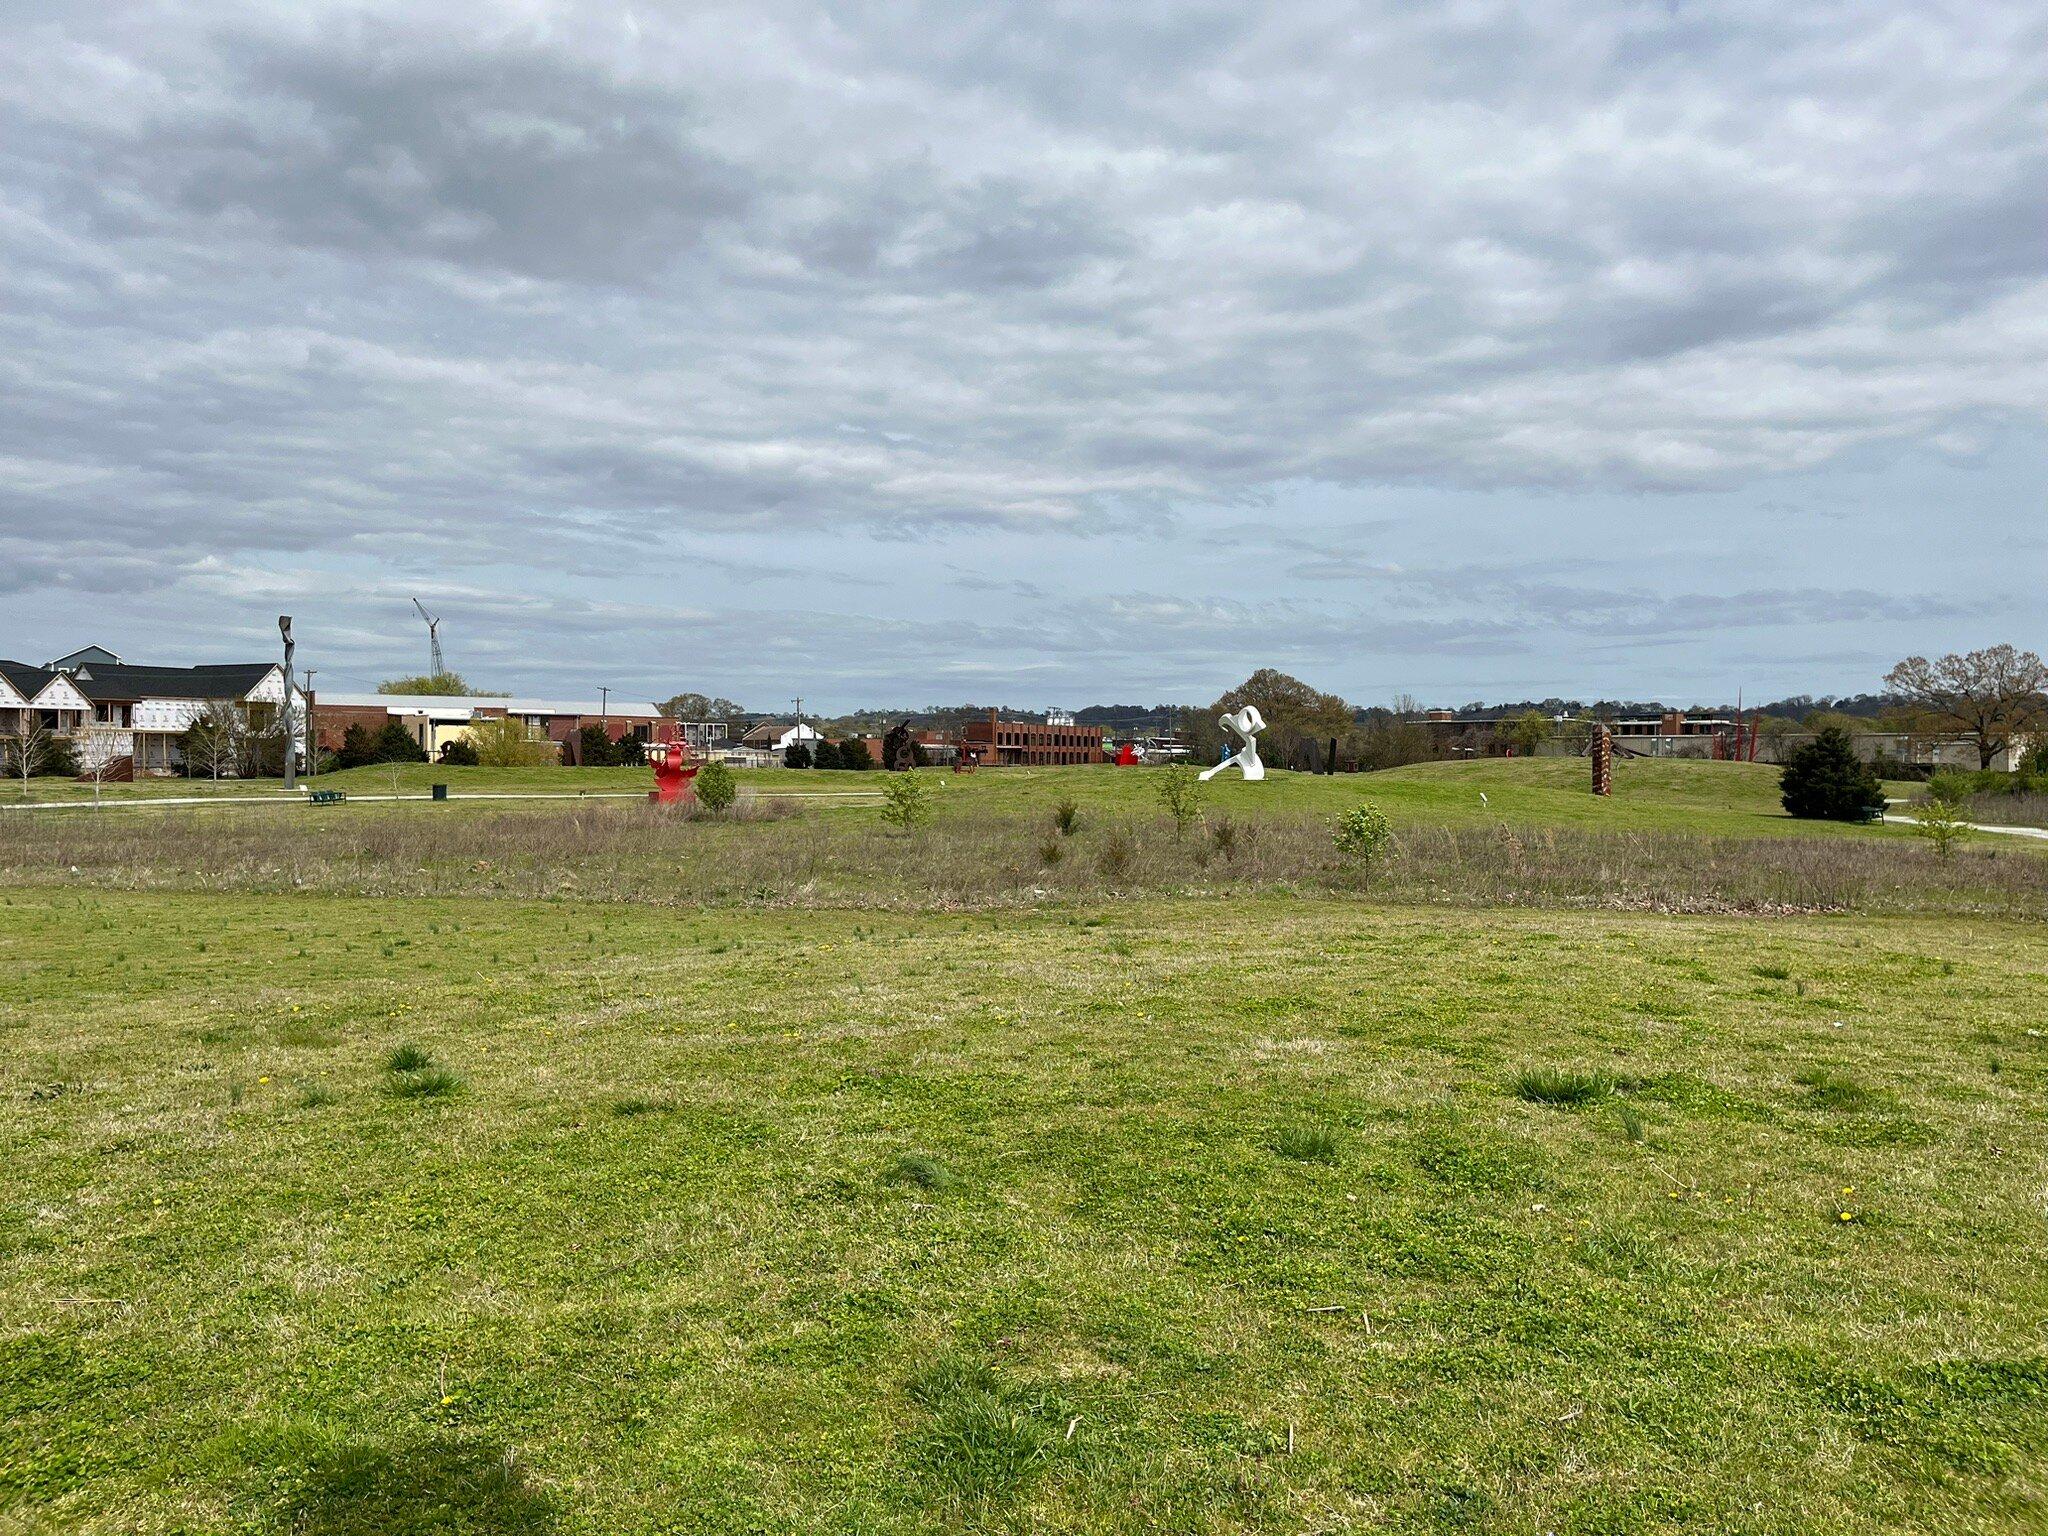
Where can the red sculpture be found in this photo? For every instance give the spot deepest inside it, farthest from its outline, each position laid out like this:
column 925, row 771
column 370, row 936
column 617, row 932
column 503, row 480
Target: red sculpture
column 673, row 772
column 1127, row 755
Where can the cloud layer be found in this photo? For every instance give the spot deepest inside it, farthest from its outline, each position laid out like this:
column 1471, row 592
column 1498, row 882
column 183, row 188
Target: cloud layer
column 582, row 289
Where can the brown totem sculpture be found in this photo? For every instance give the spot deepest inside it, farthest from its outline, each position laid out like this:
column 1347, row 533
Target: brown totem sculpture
column 1603, row 761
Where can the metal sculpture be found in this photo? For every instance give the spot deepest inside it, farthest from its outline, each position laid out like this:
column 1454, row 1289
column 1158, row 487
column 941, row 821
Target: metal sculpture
column 1602, row 753
column 673, row 772
column 1245, row 724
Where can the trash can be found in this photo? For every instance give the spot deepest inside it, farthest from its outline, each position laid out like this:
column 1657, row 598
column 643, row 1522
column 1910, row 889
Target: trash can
column 440, row 791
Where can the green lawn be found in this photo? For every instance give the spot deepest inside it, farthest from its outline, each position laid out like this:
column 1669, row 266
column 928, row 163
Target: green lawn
column 1730, row 799
column 1189, row 1216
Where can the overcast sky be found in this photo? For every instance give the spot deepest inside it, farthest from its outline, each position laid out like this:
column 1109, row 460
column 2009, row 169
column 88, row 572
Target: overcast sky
column 1047, row 353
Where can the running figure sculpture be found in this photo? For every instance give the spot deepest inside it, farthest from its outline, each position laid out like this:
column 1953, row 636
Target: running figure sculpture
column 1246, row 724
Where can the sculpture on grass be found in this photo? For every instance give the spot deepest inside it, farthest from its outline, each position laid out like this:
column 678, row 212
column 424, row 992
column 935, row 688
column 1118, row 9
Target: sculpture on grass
column 1245, row 724
column 673, row 772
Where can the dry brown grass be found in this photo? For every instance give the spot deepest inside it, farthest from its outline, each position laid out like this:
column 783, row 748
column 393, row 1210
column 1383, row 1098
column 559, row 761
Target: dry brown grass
column 767, row 856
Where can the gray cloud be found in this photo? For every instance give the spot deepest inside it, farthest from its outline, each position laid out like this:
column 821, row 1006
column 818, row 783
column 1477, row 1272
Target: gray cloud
column 508, row 299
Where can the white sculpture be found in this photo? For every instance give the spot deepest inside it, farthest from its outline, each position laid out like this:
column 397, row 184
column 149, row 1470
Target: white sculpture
column 1246, row 723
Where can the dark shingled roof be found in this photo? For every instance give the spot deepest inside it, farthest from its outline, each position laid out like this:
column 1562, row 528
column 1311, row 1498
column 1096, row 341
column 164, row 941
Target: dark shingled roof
column 28, row 681
column 223, row 680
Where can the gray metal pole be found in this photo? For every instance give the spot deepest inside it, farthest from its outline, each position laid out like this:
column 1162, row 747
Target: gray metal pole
column 284, row 628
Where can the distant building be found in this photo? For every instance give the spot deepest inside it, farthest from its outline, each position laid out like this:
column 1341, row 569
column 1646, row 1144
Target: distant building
column 434, row 720
column 781, row 735
column 1022, row 743
column 111, row 710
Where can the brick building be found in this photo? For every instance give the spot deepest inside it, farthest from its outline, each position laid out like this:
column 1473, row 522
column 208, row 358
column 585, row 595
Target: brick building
column 1030, row 743
column 434, row 720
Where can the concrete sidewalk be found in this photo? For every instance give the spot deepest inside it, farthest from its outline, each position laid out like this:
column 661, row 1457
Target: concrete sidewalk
column 1974, row 826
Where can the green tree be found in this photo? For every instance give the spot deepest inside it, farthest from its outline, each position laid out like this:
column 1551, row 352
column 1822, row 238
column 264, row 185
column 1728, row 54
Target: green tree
column 1300, row 721
column 1826, row 781
column 853, row 753
column 906, row 801
column 1527, row 732
column 698, row 706
column 459, row 754
column 796, row 755
column 395, row 744
column 826, row 755
column 1941, row 823
column 716, row 787
column 445, row 683
column 595, row 748
column 1180, row 791
column 1363, row 835
column 358, row 747
column 502, row 742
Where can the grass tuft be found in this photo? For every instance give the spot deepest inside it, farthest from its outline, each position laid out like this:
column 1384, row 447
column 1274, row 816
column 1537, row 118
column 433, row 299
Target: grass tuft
column 922, row 1171
column 1550, row 1085
column 1831, row 1090
column 1307, row 1143
column 426, row 1083
column 984, row 1441
column 629, row 1108
column 408, row 1058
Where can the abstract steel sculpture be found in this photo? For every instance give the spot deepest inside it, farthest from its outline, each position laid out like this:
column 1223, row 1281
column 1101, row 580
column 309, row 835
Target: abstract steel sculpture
column 673, row 772
column 1245, row 724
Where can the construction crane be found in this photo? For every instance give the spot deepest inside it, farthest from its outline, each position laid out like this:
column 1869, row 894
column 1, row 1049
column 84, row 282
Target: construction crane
column 433, row 637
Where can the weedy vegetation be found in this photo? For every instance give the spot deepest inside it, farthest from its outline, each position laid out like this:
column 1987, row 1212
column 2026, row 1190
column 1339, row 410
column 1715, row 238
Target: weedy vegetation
column 1091, row 1172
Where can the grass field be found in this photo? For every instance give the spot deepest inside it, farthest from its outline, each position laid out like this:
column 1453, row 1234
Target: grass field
column 1177, row 1217
column 794, row 1175
column 1734, row 799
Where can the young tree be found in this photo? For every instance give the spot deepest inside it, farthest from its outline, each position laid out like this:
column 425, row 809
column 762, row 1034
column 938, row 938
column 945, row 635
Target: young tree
column 595, row 749
column 103, row 756
column 213, row 741
column 796, row 755
column 853, row 753
column 1991, row 696
column 906, row 802
column 716, row 787
column 1826, row 781
column 28, row 749
column 1941, row 823
column 826, row 755
column 1180, row 791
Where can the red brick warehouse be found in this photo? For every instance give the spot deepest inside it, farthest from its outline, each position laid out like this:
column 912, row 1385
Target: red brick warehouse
column 1019, row 743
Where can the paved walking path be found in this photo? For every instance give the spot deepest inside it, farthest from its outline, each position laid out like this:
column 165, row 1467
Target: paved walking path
column 1974, row 826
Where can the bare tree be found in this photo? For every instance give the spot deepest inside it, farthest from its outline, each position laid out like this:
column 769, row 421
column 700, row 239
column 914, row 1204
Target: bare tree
column 29, row 749
column 101, row 756
column 1992, row 696
column 214, row 738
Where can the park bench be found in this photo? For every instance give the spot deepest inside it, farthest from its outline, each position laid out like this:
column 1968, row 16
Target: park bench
column 327, row 796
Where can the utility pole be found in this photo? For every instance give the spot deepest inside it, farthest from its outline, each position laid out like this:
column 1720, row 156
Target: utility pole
column 312, row 740
column 604, row 705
